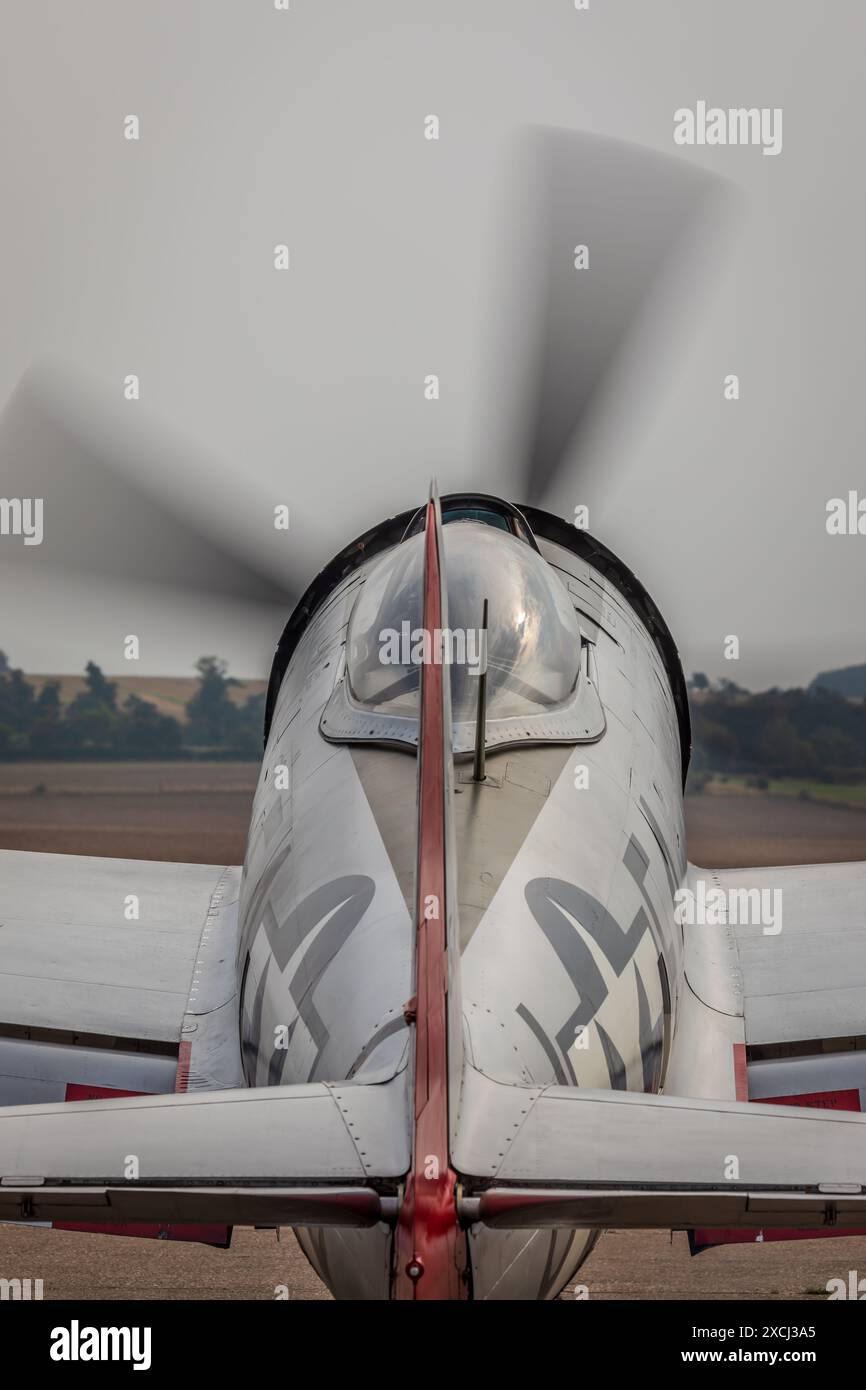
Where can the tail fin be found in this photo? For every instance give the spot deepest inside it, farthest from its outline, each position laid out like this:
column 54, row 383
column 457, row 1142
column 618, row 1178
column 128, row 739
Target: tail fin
column 432, row 1256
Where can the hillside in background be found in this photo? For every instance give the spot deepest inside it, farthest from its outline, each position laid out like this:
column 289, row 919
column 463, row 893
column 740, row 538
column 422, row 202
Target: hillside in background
column 849, row 681
column 808, row 743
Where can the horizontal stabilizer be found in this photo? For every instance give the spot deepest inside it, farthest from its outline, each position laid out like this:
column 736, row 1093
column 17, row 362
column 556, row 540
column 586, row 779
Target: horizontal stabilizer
column 311, row 1155
column 601, row 1158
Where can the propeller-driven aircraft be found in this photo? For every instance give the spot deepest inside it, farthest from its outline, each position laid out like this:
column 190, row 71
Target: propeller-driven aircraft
column 449, row 1019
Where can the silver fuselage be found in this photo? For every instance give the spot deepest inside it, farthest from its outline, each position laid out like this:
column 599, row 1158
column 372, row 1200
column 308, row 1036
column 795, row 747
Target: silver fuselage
column 567, row 859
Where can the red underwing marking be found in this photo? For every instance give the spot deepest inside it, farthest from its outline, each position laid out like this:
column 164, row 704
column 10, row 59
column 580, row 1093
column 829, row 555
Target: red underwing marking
column 741, row 1076
column 819, row 1100
column 202, row 1233
column 184, row 1057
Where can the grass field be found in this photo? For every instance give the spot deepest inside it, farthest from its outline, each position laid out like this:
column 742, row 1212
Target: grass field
column 200, row 812
column 848, row 796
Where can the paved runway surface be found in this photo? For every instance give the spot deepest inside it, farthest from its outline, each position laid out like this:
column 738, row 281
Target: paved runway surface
column 259, row 1265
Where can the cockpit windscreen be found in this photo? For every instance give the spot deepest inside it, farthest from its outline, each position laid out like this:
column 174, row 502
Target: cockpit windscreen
column 533, row 640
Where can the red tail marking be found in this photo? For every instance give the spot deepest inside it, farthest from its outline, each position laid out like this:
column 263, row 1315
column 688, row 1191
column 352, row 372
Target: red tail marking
column 431, row 1250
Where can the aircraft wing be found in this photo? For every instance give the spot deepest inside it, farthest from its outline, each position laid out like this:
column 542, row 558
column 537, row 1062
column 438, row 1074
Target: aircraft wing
column 774, row 1000
column 774, row 1008
column 115, row 974
column 806, row 981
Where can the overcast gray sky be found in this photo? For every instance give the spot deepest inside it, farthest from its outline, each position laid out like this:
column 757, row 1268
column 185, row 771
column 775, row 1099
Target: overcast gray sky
column 260, row 127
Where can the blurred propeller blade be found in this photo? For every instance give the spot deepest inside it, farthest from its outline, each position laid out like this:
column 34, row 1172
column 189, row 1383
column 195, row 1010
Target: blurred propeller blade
column 124, row 497
column 632, row 209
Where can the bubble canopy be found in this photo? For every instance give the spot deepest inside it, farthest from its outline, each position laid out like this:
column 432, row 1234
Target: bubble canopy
column 533, row 639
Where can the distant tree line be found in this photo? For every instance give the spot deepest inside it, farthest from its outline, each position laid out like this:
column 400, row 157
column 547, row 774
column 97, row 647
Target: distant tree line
column 816, row 733
column 94, row 725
